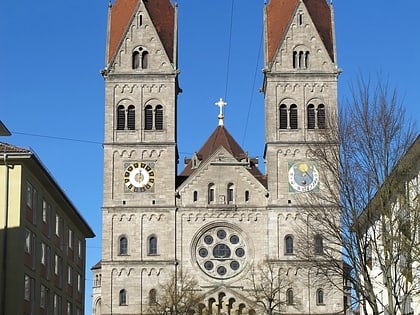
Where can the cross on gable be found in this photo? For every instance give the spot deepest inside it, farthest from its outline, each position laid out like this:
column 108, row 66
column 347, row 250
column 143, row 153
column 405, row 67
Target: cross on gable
column 221, row 104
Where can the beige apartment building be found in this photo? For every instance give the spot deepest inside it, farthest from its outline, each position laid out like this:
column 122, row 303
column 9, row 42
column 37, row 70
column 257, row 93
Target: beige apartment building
column 221, row 217
column 42, row 240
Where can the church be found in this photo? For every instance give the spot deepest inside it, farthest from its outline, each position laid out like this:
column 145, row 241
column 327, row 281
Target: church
column 219, row 221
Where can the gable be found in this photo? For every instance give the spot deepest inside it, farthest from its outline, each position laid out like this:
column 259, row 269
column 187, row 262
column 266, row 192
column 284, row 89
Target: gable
column 144, row 25
column 289, row 23
column 222, row 171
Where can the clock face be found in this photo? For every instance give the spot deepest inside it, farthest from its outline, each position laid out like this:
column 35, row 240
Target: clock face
column 139, row 177
column 303, row 176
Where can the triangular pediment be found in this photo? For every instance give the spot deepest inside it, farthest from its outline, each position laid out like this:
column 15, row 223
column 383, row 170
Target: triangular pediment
column 299, row 27
column 141, row 26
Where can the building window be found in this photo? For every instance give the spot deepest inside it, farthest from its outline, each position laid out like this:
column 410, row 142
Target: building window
column 152, row 297
column 148, row 117
column 319, row 245
column 120, row 117
column 123, row 246
column 288, row 240
column 79, row 282
column 246, row 195
column 135, row 60
column 32, row 200
column 283, row 116
column 69, row 308
column 159, row 117
column 230, row 193
column 319, row 296
column 311, row 116
column 144, row 60
column 300, row 59
column 28, row 288
column 293, row 116
column 28, row 241
column 70, row 238
column 123, row 297
column 70, row 275
column 46, row 210
column 289, row 297
column 195, row 196
column 152, row 245
column 44, row 297
column 131, row 118
column 211, row 193
column 80, row 248
column 57, row 304
column 321, row 116
column 44, row 253
column 58, row 225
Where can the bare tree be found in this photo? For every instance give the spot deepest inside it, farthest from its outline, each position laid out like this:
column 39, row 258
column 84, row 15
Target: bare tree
column 355, row 213
column 178, row 296
column 268, row 286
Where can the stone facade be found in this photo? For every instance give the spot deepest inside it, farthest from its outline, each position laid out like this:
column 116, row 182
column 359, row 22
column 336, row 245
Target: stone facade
column 220, row 217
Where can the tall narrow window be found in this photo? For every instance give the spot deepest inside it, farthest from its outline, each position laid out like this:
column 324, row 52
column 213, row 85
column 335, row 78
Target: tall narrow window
column 288, row 240
column 144, row 60
column 120, row 117
column 123, row 297
column 135, row 60
column 246, row 195
column 159, row 117
column 289, row 296
column 319, row 296
column 195, row 196
column 211, row 193
column 294, row 61
column 307, row 59
column 152, row 297
column 123, row 250
column 311, row 116
column 148, row 118
column 301, row 59
column 321, row 116
column 152, row 250
column 230, row 193
column 293, row 117
column 283, row 116
column 319, row 245
column 131, row 118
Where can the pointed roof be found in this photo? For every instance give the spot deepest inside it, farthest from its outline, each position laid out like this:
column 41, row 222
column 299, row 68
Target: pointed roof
column 279, row 14
column 221, row 137
column 162, row 13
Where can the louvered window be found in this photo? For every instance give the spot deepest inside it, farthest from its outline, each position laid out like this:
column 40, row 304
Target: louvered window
column 283, row 116
column 131, row 118
column 148, row 118
column 321, row 116
column 159, row 117
column 293, row 117
column 311, row 116
column 120, row 118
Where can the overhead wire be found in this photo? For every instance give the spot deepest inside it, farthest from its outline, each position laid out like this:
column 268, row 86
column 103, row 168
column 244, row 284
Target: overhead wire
column 55, row 137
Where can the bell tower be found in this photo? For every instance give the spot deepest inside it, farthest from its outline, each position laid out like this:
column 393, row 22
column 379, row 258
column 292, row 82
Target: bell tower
column 140, row 146
column 300, row 91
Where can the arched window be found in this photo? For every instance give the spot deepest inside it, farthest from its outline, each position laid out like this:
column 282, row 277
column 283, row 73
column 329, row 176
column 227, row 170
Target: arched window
column 319, row 296
column 319, row 245
column 321, row 116
column 152, row 245
column 123, row 297
column 195, row 196
column 148, row 117
column 135, row 60
column 283, row 116
column 152, row 297
column 289, row 297
column 144, row 60
column 230, row 193
column 120, row 117
column 211, row 193
column 246, row 195
column 288, row 241
column 123, row 250
column 311, row 116
column 293, row 116
column 159, row 117
column 307, row 59
column 294, row 60
column 131, row 118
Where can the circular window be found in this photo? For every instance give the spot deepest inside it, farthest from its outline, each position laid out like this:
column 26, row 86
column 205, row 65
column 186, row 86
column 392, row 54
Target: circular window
column 220, row 252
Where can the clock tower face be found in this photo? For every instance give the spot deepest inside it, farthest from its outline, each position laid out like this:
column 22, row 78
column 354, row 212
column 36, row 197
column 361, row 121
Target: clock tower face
column 139, row 176
column 303, row 176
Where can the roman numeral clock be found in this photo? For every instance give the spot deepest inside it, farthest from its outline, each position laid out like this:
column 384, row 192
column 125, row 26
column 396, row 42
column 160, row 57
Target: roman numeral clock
column 139, row 176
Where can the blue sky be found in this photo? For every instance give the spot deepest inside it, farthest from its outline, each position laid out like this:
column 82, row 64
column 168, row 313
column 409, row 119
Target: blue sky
column 52, row 95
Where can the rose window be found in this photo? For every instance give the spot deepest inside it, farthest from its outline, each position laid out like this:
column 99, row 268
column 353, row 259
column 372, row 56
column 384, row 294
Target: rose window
column 221, row 252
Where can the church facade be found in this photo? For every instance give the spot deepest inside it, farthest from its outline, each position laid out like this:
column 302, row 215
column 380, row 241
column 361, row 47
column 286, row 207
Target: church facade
column 220, row 219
